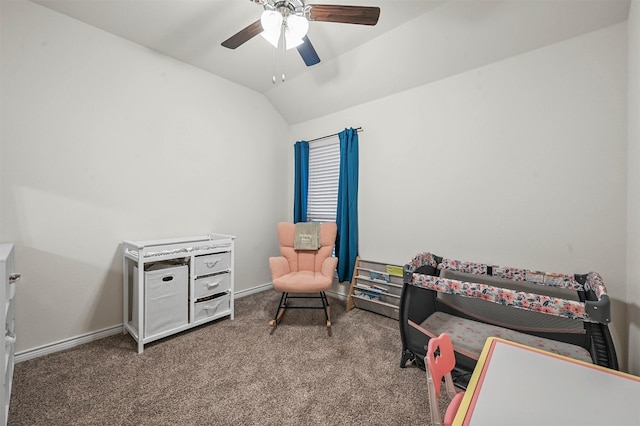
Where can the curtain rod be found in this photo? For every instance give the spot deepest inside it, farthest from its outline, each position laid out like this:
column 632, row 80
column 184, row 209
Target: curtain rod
column 358, row 129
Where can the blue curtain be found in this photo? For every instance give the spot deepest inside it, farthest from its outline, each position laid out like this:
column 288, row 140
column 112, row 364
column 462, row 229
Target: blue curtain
column 347, row 214
column 301, row 183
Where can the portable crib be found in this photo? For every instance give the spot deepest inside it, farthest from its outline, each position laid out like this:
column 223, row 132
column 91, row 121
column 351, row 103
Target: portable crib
column 565, row 314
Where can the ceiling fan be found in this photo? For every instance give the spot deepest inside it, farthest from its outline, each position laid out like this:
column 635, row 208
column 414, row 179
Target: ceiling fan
column 291, row 19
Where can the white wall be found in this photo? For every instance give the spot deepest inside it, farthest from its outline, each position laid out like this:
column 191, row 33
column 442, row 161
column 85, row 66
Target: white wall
column 521, row 162
column 633, row 190
column 103, row 140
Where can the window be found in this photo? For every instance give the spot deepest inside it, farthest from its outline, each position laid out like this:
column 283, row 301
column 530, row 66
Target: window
column 324, row 174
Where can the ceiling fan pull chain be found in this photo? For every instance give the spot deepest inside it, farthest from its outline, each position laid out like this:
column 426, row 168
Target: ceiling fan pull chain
column 273, row 77
column 283, row 49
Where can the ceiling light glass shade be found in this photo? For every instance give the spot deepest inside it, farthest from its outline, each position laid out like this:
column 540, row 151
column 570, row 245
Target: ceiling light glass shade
column 272, row 25
column 297, row 27
column 291, row 40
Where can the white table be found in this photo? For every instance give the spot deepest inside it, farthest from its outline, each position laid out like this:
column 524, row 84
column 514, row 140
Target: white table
column 513, row 384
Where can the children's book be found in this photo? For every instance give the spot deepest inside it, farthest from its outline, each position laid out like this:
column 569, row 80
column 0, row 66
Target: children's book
column 380, row 276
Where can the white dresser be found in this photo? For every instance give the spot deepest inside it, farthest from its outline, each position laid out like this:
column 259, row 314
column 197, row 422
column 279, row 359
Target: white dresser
column 175, row 284
column 8, row 280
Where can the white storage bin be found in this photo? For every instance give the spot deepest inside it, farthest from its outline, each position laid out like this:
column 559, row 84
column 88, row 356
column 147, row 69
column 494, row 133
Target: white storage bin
column 212, row 263
column 212, row 307
column 165, row 294
column 212, row 284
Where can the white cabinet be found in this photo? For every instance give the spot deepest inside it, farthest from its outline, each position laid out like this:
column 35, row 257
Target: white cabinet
column 176, row 284
column 8, row 280
column 165, row 297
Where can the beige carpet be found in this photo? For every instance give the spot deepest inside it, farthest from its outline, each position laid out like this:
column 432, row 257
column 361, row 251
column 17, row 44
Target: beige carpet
column 232, row 373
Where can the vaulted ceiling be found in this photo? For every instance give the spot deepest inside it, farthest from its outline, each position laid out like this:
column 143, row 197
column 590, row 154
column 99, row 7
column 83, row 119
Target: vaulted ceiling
column 415, row 42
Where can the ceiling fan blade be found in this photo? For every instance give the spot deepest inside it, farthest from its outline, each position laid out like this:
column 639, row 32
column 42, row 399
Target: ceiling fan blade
column 362, row 15
column 308, row 53
column 243, row 35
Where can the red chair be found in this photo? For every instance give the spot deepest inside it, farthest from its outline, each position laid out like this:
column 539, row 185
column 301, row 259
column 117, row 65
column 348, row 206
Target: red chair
column 303, row 271
column 440, row 361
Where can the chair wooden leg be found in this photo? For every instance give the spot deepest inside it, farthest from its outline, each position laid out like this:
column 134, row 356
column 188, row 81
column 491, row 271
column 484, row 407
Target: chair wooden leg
column 328, row 309
column 279, row 313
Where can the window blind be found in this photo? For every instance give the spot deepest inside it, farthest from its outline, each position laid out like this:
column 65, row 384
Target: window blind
column 324, row 174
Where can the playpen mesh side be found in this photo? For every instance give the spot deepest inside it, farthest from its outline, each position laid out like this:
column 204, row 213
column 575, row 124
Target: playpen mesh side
column 505, row 316
column 537, row 302
column 548, row 279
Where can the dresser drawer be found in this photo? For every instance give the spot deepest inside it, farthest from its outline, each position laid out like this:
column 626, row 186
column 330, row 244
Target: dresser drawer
column 213, row 307
column 212, row 263
column 213, row 284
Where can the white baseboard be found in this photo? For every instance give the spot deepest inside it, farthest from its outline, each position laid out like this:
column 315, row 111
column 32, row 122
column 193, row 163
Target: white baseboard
column 335, row 295
column 110, row 331
column 257, row 289
column 67, row 343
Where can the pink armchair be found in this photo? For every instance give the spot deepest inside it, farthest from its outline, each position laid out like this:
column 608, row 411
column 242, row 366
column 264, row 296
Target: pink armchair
column 303, row 271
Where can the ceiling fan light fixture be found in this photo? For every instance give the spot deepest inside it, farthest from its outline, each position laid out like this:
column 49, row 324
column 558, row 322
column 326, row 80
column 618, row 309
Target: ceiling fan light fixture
column 271, row 22
column 294, row 16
